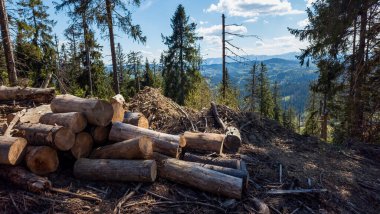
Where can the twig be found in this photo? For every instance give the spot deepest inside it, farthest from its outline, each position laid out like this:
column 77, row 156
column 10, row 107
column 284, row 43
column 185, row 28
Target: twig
column 178, row 202
column 14, row 204
column 96, row 189
column 216, row 115
column 125, row 198
column 156, row 195
column 186, row 115
column 308, row 208
column 296, row 191
column 86, row 197
column 294, row 211
column 280, row 172
column 274, row 209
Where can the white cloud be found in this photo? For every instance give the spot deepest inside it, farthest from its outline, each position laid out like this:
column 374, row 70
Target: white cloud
column 277, row 45
column 203, row 22
column 309, row 2
column 253, row 20
column 253, row 8
column 266, row 22
column 146, row 5
column 216, row 30
column 303, row 23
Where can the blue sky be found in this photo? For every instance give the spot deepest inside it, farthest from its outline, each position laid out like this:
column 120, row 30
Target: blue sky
column 268, row 19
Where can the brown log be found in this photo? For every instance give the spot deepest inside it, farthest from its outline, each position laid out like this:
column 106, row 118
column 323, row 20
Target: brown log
column 116, row 170
column 21, row 177
column 163, row 143
column 83, row 145
column 136, row 119
column 117, row 103
column 230, row 163
column 100, row 133
column 136, row 148
column 199, row 177
column 41, row 160
column 97, row 112
column 38, row 95
column 209, row 142
column 72, row 120
column 47, row 135
column 31, row 115
column 12, row 150
column 239, row 173
column 243, row 167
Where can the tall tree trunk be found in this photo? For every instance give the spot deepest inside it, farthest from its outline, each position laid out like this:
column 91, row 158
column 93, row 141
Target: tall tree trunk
column 360, row 74
column 7, row 44
column 112, row 44
column 350, row 112
column 87, row 49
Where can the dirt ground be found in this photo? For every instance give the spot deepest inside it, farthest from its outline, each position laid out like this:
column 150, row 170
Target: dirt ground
column 350, row 173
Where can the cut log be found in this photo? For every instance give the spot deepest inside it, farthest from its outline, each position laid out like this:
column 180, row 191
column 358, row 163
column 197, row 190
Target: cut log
column 97, row 112
column 243, row 167
column 163, row 143
column 72, row 120
column 12, row 150
column 37, row 95
column 47, row 135
column 117, row 103
column 239, row 173
column 230, row 163
column 83, row 145
column 100, row 133
column 136, row 148
column 199, row 177
column 232, row 142
column 116, row 170
column 31, row 115
column 208, row 142
column 136, row 119
column 21, row 177
column 41, row 160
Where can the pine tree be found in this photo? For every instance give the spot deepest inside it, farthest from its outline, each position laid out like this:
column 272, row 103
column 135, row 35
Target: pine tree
column 289, row 119
column 35, row 49
column 148, row 75
column 251, row 88
column 277, row 102
column 134, row 67
column 265, row 99
column 312, row 125
column 181, row 60
column 120, row 60
column 231, row 97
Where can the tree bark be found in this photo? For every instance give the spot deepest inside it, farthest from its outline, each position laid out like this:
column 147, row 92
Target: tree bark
column 117, row 103
column 47, row 135
column 21, row 177
column 116, row 170
column 38, row 95
column 41, row 160
column 12, row 150
column 163, row 143
column 109, row 9
column 136, row 119
column 133, row 149
column 83, row 145
column 199, row 177
column 97, row 112
column 72, row 120
column 7, row 44
column 205, row 142
column 100, row 133
column 230, row 163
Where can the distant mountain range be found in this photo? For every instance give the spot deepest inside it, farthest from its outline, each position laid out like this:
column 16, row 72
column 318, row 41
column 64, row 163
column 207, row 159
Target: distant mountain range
column 294, row 79
column 286, row 56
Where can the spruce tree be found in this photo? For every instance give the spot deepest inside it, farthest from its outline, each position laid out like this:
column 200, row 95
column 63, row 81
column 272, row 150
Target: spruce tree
column 265, row 99
column 277, row 102
column 312, row 125
column 251, row 88
column 148, row 75
column 134, row 67
column 181, row 60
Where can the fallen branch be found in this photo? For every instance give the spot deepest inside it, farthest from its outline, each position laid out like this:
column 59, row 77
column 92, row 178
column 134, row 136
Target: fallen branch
column 296, row 191
column 86, row 197
column 125, row 198
column 14, row 121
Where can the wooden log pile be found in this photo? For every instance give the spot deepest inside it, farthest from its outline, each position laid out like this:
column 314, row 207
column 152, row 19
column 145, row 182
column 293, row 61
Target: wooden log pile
column 103, row 137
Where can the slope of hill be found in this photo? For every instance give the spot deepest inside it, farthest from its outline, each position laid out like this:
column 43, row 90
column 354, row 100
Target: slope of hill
column 293, row 79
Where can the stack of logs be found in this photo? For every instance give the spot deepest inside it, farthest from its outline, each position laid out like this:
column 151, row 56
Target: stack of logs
column 103, row 137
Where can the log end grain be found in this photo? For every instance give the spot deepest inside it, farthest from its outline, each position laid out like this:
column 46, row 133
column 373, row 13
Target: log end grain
column 136, row 119
column 83, row 145
column 41, row 160
column 100, row 134
column 182, row 141
column 12, row 150
column 64, row 139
